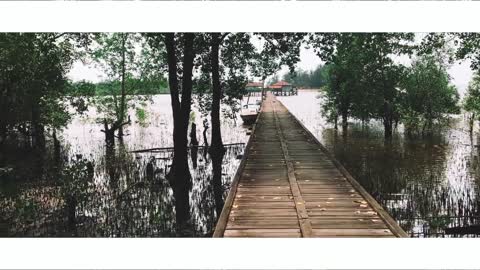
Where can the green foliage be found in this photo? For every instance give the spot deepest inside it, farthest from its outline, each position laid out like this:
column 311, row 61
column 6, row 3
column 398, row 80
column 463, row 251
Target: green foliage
column 33, row 82
column 469, row 48
column 138, row 86
column 308, row 79
column 472, row 99
column 428, row 95
column 237, row 54
column 471, row 103
column 142, row 116
column 116, row 56
column 26, row 209
column 125, row 59
column 76, row 180
column 81, row 89
column 362, row 80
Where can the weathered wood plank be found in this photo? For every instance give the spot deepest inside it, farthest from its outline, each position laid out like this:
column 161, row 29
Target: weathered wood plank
column 263, row 233
column 289, row 185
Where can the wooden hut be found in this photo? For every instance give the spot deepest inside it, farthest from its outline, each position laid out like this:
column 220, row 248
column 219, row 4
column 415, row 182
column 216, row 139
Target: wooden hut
column 283, row 88
column 254, row 88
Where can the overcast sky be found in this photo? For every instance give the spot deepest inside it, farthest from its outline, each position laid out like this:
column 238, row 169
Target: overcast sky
column 459, row 72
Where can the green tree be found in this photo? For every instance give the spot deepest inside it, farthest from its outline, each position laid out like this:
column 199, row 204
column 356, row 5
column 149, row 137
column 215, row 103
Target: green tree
column 33, row 82
column 428, row 95
column 471, row 103
column 307, row 79
column 117, row 57
column 366, row 76
column 179, row 51
column 468, row 48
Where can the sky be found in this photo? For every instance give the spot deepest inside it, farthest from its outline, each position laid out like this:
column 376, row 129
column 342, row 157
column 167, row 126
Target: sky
column 460, row 72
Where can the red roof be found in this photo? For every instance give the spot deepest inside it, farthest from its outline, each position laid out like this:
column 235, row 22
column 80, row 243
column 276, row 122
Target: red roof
column 254, row 84
column 281, row 83
column 273, row 86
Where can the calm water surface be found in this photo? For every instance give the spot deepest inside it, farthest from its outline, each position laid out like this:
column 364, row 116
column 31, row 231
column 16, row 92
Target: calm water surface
column 426, row 184
column 127, row 197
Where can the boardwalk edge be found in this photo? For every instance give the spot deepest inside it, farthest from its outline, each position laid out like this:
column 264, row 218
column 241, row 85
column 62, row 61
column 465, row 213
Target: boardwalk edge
column 384, row 215
column 223, row 219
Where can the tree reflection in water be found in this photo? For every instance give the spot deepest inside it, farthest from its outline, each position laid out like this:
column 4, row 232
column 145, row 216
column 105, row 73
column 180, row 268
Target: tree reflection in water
column 125, row 195
column 111, row 192
column 427, row 184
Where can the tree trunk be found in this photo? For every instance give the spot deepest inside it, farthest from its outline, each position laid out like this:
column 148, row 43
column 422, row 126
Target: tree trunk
column 217, row 150
column 194, row 145
column 387, row 120
column 218, row 191
column 38, row 130
column 388, row 126
column 344, row 122
column 56, row 147
column 471, row 121
column 71, row 208
column 335, row 122
column 216, row 140
column 123, row 97
column 205, row 140
column 179, row 175
column 109, row 140
column 110, row 153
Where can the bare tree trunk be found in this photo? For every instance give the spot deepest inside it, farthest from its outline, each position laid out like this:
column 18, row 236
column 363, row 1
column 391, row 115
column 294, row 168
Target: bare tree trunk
column 194, row 145
column 216, row 141
column 123, row 90
column 217, row 150
column 37, row 130
column 179, row 175
column 344, row 121
column 205, row 140
column 335, row 122
column 388, row 120
column 56, row 148
column 471, row 122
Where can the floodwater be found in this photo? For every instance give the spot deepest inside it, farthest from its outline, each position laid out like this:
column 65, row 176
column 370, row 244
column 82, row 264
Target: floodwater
column 426, row 184
column 129, row 197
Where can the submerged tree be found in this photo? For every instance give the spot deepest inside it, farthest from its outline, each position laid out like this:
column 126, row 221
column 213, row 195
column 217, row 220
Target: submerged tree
column 117, row 57
column 471, row 102
column 223, row 60
column 180, row 54
column 367, row 77
column 428, row 95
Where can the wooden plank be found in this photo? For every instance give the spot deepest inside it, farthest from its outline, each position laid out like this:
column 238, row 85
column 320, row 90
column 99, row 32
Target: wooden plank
column 305, row 226
column 263, row 233
column 288, row 185
column 352, row 232
column 223, row 218
column 391, row 223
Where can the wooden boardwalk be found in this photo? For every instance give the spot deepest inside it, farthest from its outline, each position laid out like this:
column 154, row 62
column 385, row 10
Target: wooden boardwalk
column 288, row 185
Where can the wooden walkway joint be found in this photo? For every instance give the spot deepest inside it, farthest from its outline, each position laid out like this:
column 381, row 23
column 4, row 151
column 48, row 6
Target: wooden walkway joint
column 289, row 185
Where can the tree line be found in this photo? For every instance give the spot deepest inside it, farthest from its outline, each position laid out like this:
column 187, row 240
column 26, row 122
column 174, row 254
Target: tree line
column 367, row 81
column 313, row 79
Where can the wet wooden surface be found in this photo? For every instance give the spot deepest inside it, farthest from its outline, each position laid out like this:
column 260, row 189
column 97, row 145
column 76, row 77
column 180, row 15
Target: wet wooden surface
column 288, row 185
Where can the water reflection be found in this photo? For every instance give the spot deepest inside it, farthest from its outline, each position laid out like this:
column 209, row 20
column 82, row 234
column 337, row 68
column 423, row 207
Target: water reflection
column 85, row 192
column 426, row 184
